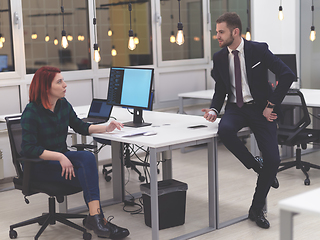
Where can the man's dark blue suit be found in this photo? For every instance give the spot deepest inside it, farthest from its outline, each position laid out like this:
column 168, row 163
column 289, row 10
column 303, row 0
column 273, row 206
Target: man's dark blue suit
column 258, row 59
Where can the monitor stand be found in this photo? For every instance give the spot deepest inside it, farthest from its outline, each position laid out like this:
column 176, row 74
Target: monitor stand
column 137, row 119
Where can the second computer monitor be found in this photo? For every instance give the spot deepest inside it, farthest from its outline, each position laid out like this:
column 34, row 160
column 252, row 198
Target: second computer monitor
column 131, row 87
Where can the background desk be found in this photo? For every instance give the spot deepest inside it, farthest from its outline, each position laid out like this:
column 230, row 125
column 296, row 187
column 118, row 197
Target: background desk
column 303, row 203
column 203, row 95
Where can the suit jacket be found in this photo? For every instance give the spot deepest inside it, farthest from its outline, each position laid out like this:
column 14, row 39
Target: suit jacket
column 258, row 59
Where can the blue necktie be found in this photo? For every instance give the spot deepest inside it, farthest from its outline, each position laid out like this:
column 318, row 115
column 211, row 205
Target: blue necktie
column 237, row 73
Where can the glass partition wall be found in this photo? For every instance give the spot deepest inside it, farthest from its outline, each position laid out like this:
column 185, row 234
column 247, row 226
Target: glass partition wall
column 43, row 23
column 218, row 7
column 6, row 48
column 114, row 20
column 190, row 15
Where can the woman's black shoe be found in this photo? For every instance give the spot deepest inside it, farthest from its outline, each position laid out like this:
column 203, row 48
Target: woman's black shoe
column 115, row 231
column 97, row 224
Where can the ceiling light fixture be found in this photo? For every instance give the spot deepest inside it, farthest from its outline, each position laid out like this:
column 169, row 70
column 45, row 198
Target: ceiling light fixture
column 180, row 37
column 313, row 29
column 96, row 54
column 280, row 14
column 64, row 41
column 131, row 44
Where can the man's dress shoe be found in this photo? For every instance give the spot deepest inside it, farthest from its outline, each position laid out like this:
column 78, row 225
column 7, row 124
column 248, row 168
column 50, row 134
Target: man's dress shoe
column 259, row 218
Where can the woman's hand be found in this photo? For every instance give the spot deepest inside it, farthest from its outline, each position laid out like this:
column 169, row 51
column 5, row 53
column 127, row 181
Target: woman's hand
column 114, row 125
column 67, row 167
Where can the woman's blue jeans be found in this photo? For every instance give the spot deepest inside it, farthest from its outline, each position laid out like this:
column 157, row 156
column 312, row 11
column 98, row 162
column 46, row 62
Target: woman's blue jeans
column 85, row 168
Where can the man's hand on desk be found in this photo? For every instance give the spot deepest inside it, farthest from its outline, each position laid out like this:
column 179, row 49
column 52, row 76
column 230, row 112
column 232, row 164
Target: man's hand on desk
column 209, row 114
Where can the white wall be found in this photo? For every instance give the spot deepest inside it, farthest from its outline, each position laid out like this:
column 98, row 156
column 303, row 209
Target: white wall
column 283, row 37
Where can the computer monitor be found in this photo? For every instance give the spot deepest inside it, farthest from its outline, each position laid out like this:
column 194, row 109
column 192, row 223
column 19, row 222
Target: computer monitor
column 131, row 87
column 290, row 61
column 3, row 62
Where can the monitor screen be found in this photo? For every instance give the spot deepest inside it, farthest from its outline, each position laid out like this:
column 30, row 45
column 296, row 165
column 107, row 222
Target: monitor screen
column 3, row 62
column 290, row 61
column 131, row 87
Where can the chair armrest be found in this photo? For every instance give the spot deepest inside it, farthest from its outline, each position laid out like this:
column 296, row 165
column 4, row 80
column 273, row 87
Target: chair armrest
column 34, row 160
column 81, row 147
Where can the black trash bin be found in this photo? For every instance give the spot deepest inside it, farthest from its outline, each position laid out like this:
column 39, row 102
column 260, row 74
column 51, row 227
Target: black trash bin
column 171, row 202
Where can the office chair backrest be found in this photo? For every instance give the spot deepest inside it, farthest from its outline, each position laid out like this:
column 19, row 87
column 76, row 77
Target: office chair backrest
column 296, row 116
column 15, row 139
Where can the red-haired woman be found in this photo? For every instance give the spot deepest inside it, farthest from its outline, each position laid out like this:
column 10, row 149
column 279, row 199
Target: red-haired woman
column 45, row 123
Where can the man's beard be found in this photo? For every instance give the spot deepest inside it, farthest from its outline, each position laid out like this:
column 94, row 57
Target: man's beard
column 227, row 42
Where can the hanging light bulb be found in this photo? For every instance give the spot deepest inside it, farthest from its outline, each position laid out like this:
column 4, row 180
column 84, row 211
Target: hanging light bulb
column 96, row 55
column 172, row 37
column 313, row 34
column 110, row 32
column 69, row 38
column 280, row 14
column 56, row 41
column 136, row 39
column 113, row 51
column 131, row 44
column 80, row 38
column 47, row 38
column 180, row 37
column 2, row 39
column 248, row 35
column 64, row 41
column 34, row 36
column 313, row 29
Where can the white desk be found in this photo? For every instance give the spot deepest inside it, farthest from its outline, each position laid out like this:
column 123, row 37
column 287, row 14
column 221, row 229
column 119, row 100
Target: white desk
column 172, row 133
column 303, row 203
column 203, row 95
column 311, row 97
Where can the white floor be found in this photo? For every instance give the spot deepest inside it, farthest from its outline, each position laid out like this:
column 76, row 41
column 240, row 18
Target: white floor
column 236, row 189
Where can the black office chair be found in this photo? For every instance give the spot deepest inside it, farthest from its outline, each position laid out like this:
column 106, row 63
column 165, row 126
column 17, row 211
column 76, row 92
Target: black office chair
column 293, row 131
column 30, row 187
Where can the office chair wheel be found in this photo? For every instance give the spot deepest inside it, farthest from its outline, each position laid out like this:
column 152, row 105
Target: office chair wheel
column 87, row 236
column 107, row 177
column 13, row 234
column 307, row 182
column 142, row 178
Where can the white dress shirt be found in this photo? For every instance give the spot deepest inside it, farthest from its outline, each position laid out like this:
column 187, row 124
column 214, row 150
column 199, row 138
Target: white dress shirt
column 244, row 80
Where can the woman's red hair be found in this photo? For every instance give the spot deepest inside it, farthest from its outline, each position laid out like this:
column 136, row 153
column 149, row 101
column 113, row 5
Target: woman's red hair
column 41, row 84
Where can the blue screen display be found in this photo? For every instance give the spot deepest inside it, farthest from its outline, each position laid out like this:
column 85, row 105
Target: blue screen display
column 130, row 87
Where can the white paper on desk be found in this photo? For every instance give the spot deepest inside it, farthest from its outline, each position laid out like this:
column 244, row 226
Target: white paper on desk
column 128, row 132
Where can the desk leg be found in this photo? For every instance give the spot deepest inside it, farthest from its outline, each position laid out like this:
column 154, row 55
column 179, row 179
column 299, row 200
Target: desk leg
column 213, row 183
column 154, row 194
column 181, row 105
column 286, row 225
column 117, row 171
column 167, row 165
